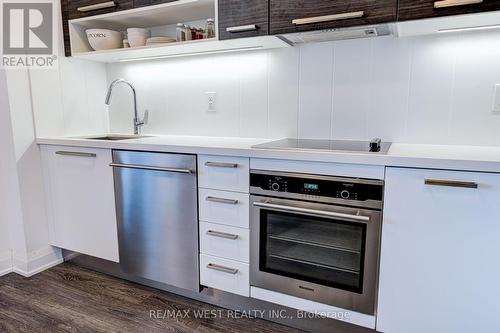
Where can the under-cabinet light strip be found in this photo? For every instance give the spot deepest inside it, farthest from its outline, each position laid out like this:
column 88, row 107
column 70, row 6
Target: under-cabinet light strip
column 193, row 53
column 483, row 27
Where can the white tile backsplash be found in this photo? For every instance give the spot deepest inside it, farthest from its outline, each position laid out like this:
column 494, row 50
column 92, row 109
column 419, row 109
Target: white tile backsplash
column 283, row 92
column 315, row 93
column 428, row 89
column 352, row 88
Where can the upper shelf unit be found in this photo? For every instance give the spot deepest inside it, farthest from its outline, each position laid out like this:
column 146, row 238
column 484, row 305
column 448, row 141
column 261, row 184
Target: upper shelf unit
column 258, row 24
column 161, row 20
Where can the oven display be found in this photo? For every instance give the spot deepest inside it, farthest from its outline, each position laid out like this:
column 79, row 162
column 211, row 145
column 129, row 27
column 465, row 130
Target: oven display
column 308, row 186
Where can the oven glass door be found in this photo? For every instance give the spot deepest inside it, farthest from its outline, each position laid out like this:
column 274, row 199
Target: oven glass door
column 324, row 250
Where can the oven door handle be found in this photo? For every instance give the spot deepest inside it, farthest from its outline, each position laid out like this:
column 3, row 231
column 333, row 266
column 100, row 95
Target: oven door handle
column 325, row 213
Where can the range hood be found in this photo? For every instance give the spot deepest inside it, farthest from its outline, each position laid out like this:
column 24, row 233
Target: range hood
column 337, row 34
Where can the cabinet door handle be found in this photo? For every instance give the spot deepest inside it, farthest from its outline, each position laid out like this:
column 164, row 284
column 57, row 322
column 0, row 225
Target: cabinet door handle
column 221, row 165
column 74, row 153
column 222, row 268
column 242, row 28
column 326, row 18
column 222, row 200
column 222, row 234
column 102, row 5
column 450, row 183
column 453, row 3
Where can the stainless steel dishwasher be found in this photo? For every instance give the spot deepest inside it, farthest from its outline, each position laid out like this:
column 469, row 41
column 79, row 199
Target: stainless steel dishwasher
column 157, row 212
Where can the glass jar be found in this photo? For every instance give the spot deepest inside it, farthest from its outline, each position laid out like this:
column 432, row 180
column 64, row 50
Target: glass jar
column 210, row 28
column 180, row 33
column 187, row 32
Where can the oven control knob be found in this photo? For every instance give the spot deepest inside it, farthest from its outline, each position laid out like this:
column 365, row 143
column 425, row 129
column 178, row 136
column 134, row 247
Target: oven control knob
column 275, row 186
column 345, row 194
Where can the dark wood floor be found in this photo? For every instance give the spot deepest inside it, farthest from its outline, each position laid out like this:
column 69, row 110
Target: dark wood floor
column 68, row 298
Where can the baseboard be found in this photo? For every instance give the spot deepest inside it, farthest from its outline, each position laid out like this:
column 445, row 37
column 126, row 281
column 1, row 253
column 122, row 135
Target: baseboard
column 5, row 262
column 38, row 261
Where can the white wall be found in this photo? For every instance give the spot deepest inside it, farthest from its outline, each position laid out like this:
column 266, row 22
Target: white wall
column 430, row 89
column 5, row 193
column 23, row 180
column 69, row 100
column 63, row 101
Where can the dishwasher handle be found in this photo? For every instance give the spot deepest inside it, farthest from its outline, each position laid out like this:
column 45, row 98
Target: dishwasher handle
column 151, row 168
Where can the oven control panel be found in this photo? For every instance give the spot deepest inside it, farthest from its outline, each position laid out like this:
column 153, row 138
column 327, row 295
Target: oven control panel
column 318, row 186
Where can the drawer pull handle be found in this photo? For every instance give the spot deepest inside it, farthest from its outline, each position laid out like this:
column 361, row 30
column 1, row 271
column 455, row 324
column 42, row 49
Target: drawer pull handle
column 221, row 165
column 74, row 153
column 450, row 183
column 454, row 3
column 222, row 234
column 326, row 18
column 222, row 268
column 222, row 200
column 102, row 5
column 242, row 28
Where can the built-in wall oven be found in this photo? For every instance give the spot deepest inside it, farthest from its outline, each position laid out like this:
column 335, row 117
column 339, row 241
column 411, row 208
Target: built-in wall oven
column 316, row 237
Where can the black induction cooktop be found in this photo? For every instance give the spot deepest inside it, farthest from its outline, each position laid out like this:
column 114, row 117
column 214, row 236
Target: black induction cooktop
column 375, row 146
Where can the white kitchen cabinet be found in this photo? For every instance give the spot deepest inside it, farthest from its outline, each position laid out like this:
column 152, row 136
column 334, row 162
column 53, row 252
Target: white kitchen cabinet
column 224, row 274
column 223, row 222
column 439, row 257
column 224, row 173
column 80, row 200
column 225, row 241
column 230, row 208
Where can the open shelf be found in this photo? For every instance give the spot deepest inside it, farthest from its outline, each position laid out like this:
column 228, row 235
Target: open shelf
column 169, row 13
column 189, row 48
column 161, row 20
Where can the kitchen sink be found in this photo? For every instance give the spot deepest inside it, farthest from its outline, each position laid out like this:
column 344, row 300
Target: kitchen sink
column 116, row 137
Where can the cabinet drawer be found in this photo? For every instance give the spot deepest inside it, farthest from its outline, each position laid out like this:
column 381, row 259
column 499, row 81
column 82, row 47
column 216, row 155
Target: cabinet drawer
column 306, row 15
column 224, row 173
column 410, row 9
column 227, row 275
column 243, row 18
column 223, row 207
column 224, row 241
column 84, row 8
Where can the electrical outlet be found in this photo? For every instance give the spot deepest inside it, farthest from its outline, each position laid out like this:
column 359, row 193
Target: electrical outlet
column 495, row 108
column 210, row 101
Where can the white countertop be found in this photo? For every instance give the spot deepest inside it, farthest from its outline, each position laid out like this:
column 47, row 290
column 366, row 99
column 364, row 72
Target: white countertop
column 472, row 158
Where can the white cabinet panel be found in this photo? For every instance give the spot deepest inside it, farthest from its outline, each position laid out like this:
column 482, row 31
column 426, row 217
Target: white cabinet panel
column 81, row 201
column 224, row 241
column 439, row 256
column 224, row 173
column 228, row 275
column 224, row 207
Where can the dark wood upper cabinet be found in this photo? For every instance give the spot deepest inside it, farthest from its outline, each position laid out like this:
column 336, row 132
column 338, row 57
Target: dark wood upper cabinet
column 417, row 9
column 144, row 3
column 305, row 15
column 84, row 8
column 239, row 19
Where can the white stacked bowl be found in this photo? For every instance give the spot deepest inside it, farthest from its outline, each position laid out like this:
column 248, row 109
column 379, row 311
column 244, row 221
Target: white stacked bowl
column 137, row 36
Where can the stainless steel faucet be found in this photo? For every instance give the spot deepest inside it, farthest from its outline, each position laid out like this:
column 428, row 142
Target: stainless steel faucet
column 138, row 123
